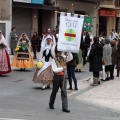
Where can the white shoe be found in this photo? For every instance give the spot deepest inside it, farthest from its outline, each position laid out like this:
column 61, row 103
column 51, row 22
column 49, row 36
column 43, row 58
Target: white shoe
column 43, row 87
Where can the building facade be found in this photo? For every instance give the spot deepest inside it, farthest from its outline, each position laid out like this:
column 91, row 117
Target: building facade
column 29, row 17
column 82, row 7
column 32, row 17
column 6, row 17
column 109, row 16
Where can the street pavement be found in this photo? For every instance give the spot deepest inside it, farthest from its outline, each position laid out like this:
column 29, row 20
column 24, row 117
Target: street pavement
column 21, row 99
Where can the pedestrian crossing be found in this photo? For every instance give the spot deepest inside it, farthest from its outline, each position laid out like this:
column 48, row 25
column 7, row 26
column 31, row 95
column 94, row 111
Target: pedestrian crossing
column 11, row 119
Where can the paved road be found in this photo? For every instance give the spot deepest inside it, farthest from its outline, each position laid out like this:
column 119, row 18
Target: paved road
column 21, row 99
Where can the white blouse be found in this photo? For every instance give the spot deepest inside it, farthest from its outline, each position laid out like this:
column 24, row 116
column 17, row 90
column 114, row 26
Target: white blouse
column 60, row 69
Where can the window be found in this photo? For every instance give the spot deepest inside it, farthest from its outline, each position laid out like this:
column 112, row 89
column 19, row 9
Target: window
column 117, row 2
column 4, row 9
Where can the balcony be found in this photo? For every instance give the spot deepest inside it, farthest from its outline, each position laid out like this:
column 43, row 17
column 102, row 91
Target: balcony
column 88, row 1
column 108, row 4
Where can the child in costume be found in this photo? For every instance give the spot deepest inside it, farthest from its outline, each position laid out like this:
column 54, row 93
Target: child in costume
column 59, row 67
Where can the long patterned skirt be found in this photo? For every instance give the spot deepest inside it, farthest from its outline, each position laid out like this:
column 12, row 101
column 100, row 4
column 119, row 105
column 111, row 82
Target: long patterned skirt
column 4, row 62
column 45, row 77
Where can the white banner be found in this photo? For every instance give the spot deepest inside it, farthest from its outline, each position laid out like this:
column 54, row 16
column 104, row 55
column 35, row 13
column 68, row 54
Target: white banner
column 70, row 33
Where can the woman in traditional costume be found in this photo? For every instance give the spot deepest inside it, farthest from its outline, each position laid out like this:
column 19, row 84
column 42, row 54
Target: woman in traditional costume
column 80, row 64
column 4, row 57
column 45, row 74
column 23, row 58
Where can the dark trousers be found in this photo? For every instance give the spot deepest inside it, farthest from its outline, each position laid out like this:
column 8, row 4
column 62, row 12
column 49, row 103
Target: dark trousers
column 71, row 75
column 112, row 71
column 84, row 60
column 34, row 50
column 84, row 55
column 12, row 51
column 96, row 74
column 118, row 73
column 57, row 83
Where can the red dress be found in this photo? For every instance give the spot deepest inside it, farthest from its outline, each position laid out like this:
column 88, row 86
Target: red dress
column 4, row 61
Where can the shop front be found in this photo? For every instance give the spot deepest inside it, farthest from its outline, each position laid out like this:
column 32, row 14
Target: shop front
column 107, row 21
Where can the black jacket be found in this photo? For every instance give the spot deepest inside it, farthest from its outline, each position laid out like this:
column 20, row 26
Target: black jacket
column 95, row 57
column 85, row 44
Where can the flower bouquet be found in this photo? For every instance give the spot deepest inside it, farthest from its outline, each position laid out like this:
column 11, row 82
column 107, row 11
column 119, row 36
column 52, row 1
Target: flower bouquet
column 102, row 41
column 116, row 38
column 17, row 48
column 39, row 64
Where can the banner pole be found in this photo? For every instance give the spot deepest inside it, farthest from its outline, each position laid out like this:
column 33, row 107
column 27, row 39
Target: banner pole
column 64, row 78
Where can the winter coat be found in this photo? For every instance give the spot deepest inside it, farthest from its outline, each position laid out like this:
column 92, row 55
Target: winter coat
column 13, row 40
column 118, row 60
column 95, row 57
column 107, row 52
column 34, row 41
column 114, row 54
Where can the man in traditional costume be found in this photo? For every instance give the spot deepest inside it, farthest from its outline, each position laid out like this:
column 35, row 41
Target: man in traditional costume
column 59, row 67
column 85, row 44
column 23, row 57
column 45, row 74
column 4, row 57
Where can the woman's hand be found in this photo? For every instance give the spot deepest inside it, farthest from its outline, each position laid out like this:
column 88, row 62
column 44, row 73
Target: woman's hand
column 103, row 62
column 16, row 36
column 64, row 68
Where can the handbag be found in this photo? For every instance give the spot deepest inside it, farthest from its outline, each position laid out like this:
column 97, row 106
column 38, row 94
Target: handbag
column 103, row 75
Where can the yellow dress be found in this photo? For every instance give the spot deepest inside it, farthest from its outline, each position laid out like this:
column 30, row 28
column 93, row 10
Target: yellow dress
column 23, row 59
column 23, row 63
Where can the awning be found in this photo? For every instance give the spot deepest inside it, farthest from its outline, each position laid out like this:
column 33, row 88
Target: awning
column 34, row 6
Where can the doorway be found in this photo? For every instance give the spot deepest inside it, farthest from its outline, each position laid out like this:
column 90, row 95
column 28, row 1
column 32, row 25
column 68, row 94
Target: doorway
column 103, row 25
column 2, row 28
